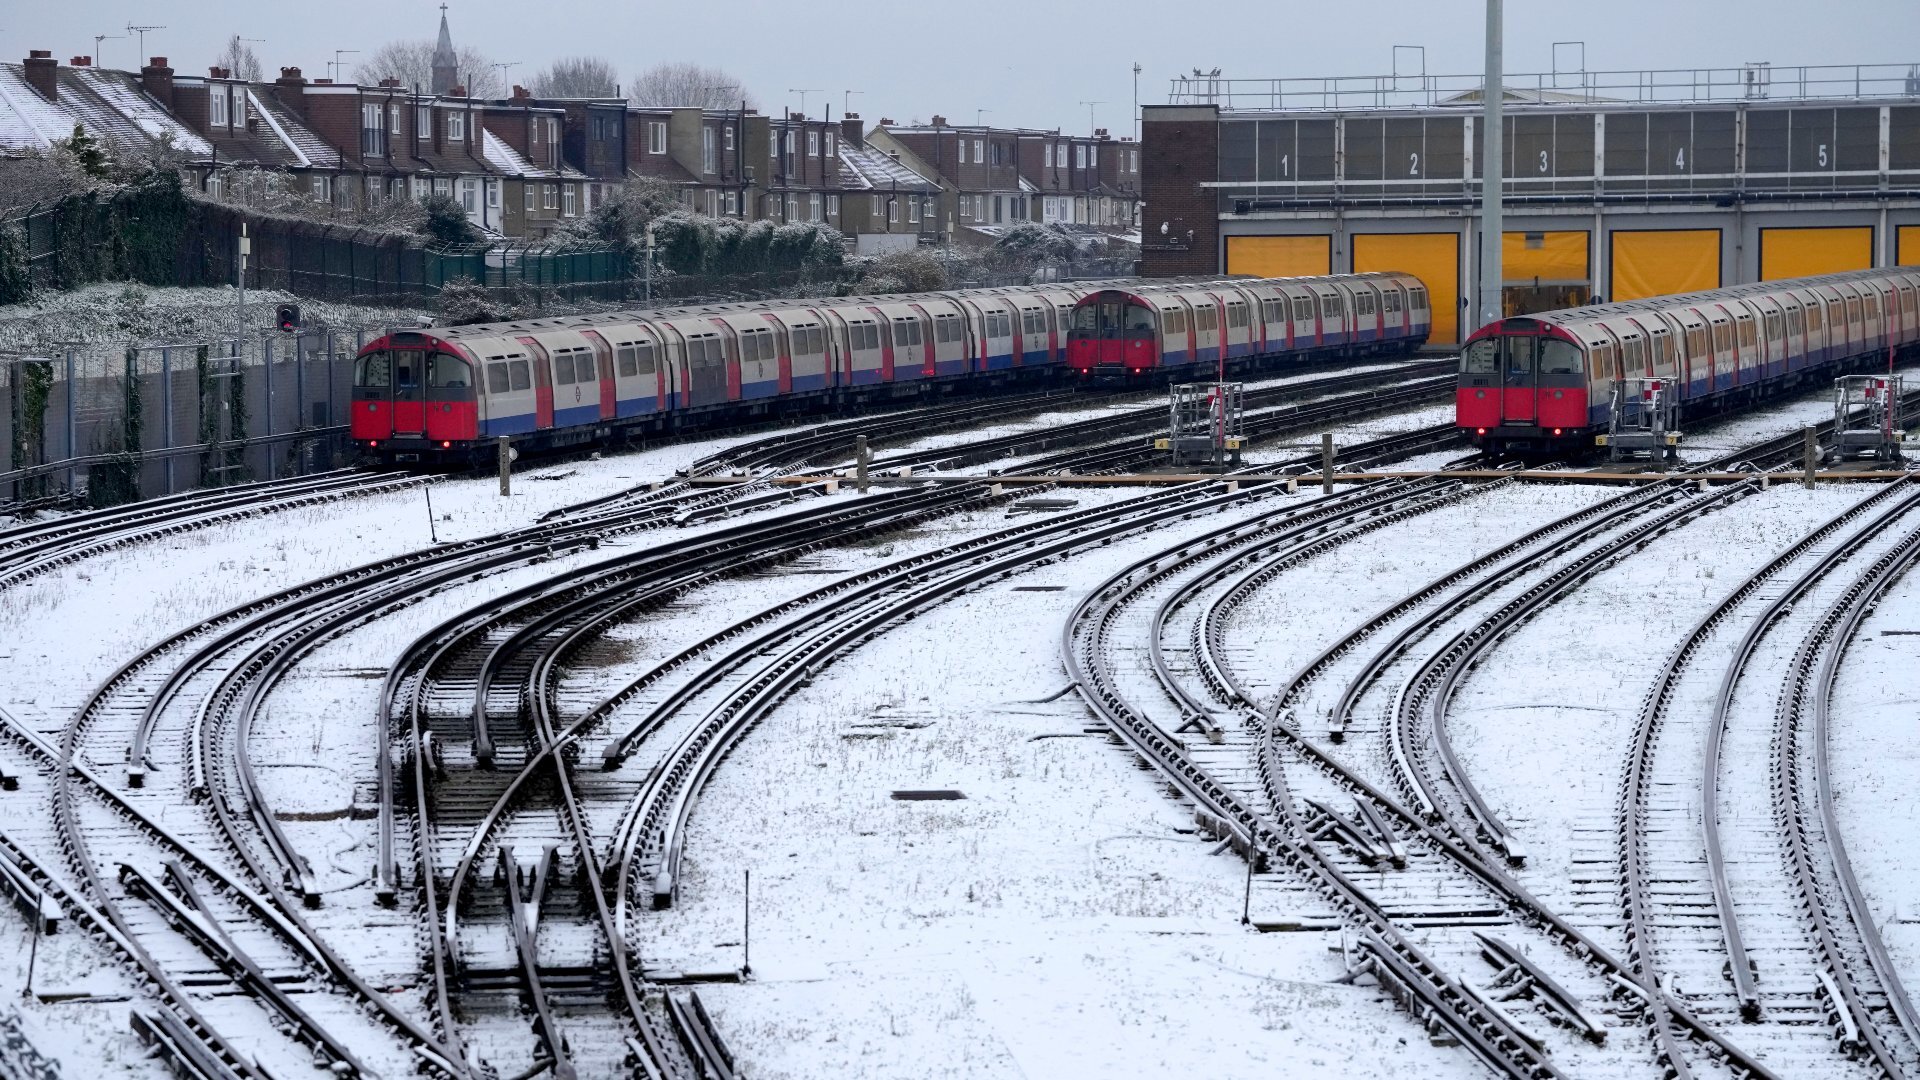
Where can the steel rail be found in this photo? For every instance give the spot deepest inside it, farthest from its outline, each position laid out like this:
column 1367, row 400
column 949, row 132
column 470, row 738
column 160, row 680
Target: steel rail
column 1746, row 986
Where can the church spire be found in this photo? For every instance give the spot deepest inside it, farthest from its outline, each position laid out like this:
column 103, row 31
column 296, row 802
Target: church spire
column 446, row 63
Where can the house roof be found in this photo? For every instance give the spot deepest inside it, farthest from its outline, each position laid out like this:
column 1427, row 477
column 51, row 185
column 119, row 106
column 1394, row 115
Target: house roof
column 863, row 168
column 295, row 139
column 108, row 104
column 501, row 156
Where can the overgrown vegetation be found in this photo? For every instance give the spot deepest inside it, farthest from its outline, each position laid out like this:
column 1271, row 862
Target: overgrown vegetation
column 444, row 221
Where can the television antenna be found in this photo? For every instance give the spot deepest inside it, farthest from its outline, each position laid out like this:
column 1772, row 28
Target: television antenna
column 142, row 31
column 334, row 65
column 97, row 39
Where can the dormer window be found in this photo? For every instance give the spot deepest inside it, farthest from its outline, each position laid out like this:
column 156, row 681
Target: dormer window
column 422, row 122
column 217, row 106
column 457, row 127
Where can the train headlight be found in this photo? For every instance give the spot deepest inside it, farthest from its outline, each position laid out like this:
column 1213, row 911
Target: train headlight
column 1556, row 432
column 1480, row 431
column 449, row 446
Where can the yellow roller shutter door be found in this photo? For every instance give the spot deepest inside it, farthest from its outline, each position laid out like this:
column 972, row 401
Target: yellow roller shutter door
column 1552, row 258
column 1663, row 261
column 1434, row 258
column 1906, row 250
column 1280, row 256
column 1795, row 253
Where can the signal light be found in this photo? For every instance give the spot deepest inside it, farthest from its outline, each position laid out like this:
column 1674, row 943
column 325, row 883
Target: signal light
column 287, row 317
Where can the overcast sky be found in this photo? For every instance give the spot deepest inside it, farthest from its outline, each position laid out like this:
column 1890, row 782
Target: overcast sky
column 1027, row 62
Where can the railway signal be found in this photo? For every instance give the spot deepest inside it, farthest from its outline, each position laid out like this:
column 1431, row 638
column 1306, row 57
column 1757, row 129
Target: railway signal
column 287, row 318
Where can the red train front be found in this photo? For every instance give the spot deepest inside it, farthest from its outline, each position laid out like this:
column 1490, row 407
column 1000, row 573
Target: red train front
column 1113, row 333
column 414, row 399
column 1523, row 387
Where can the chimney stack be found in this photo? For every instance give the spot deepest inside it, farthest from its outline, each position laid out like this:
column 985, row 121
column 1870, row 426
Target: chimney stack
column 80, row 61
column 851, row 132
column 291, row 89
column 40, row 71
column 157, row 80
column 939, row 121
column 390, row 83
column 456, row 91
column 520, row 92
column 217, row 72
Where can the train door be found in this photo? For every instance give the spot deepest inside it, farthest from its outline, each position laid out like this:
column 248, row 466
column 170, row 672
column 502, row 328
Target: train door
column 929, row 364
column 603, row 354
column 542, row 384
column 1519, row 379
column 409, row 393
column 451, row 409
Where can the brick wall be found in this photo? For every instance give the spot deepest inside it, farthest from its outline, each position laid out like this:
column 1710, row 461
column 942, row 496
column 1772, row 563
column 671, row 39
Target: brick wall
column 1180, row 150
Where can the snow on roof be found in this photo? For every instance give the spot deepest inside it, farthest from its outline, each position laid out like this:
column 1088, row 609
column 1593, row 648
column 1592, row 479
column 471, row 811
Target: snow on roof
column 297, row 137
column 863, row 168
column 26, row 118
column 503, row 157
column 113, row 104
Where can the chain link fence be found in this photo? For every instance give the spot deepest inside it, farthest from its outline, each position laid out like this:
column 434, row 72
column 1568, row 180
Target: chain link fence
column 106, row 426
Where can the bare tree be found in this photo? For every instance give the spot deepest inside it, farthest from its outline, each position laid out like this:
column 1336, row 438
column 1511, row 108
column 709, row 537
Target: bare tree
column 688, row 84
column 238, row 57
column 412, row 63
column 577, row 77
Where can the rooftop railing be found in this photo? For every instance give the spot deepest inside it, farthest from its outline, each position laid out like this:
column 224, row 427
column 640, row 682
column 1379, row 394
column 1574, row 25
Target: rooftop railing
column 1748, row 82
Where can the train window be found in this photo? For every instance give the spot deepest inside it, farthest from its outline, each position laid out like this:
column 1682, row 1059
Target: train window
column 1176, row 322
column 1746, row 333
column 563, row 369
column 498, row 381
column 900, row 331
column 1481, row 357
column 522, row 375
column 1393, row 303
column 624, row 363
column 1139, row 318
column 1087, row 318
column 1560, row 358
column 1722, row 337
column 446, row 372
column 375, row 369
column 1813, row 317
column 1303, row 310
column 816, row 340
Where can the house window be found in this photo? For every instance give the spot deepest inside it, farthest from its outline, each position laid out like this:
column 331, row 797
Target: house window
column 571, row 200
column 217, row 107
column 833, row 206
column 373, row 130
column 709, row 151
column 532, row 199
column 813, row 207
column 979, row 151
column 963, row 151
column 1047, row 153
column 773, row 206
column 550, row 196
column 422, row 187
column 1093, row 157
column 469, row 195
column 773, row 146
column 215, row 184
column 442, row 185
column 793, row 140
column 813, row 144
column 1080, row 156
column 1060, row 155
column 320, row 188
column 553, row 131
column 493, row 194
column 393, row 119
column 733, row 199
column 913, row 208
column 240, row 107
column 893, row 210
column 728, row 141
column 656, row 137
column 1133, row 161
column 830, row 144
column 422, row 122
column 793, row 207
column 874, row 209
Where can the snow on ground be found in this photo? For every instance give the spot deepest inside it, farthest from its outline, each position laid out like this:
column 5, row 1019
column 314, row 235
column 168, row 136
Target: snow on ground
column 1711, row 438
column 1875, row 757
column 116, row 313
column 1543, row 725
column 1062, row 919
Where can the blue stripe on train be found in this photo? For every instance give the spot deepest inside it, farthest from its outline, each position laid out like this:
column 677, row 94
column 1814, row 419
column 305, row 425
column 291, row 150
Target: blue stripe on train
column 639, row 406
column 864, row 377
column 516, row 424
column 763, row 388
column 578, row 414
column 810, row 382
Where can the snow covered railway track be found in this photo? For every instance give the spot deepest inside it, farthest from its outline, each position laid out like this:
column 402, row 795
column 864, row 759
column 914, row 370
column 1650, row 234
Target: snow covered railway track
column 1795, row 956
column 250, row 989
column 29, row 550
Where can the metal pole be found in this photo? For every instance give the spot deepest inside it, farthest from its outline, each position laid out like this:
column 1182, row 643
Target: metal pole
column 70, row 436
column 746, row 923
column 1492, row 166
column 506, row 464
column 1326, row 462
column 33, row 955
column 1811, row 446
column 861, row 456
column 166, row 410
column 1246, row 902
column 433, row 532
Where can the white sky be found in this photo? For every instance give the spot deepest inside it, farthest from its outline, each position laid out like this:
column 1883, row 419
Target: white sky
column 1027, row 62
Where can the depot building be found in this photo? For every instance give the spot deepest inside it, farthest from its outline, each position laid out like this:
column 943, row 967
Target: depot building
column 1613, row 189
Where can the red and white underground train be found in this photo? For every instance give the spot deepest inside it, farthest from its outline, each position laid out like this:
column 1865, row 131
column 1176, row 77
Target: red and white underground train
column 1198, row 326
column 445, row 395
column 1545, row 382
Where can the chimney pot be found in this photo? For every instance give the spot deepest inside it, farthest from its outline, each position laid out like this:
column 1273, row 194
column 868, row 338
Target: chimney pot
column 390, row 82
column 885, row 122
column 81, row 61
column 290, row 74
column 157, row 61
column 42, row 73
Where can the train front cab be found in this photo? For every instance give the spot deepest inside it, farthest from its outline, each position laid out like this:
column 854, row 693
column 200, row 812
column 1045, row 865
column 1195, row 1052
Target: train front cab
column 413, row 399
column 1113, row 333
column 1523, row 387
